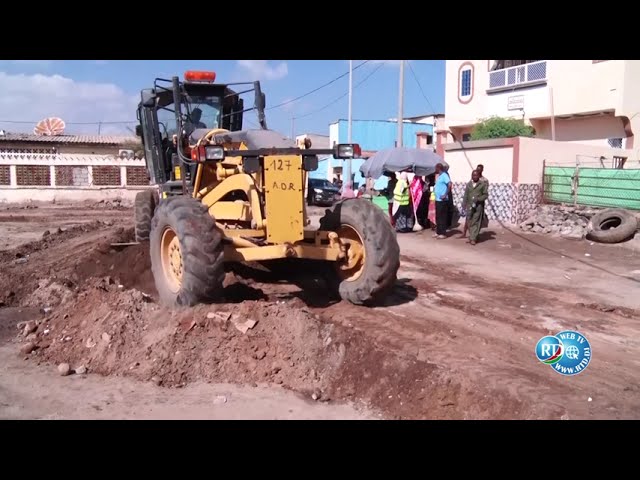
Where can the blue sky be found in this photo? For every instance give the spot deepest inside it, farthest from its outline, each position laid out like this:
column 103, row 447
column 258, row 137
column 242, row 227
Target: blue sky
column 86, row 91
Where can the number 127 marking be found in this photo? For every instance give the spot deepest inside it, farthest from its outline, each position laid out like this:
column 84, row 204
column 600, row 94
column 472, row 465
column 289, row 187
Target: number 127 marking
column 278, row 164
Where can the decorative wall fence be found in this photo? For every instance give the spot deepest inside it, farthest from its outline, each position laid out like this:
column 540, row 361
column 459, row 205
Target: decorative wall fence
column 46, row 176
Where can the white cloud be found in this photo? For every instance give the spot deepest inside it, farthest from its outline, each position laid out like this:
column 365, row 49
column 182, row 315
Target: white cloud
column 32, row 97
column 263, row 70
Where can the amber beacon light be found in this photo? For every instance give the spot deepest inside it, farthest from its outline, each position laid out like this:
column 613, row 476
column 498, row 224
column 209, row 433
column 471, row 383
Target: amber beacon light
column 197, row 76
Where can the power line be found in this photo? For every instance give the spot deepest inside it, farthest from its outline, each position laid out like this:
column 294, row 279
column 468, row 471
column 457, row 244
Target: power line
column 122, row 122
column 319, row 88
column 415, row 77
column 343, row 95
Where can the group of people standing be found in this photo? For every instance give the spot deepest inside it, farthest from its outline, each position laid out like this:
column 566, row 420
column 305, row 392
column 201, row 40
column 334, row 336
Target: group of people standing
column 411, row 209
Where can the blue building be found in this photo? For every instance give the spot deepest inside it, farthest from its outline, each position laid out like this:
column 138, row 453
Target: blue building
column 371, row 135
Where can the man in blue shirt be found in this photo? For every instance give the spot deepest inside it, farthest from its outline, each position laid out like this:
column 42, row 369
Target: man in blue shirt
column 442, row 192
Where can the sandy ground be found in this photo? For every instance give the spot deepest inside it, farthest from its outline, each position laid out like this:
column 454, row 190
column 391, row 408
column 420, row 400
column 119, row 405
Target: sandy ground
column 32, row 392
column 455, row 340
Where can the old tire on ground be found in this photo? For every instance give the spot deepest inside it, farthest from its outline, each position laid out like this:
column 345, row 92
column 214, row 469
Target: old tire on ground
column 370, row 273
column 143, row 208
column 613, row 225
column 187, row 257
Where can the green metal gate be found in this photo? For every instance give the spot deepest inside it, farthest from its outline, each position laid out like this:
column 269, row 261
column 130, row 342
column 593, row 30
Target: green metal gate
column 598, row 187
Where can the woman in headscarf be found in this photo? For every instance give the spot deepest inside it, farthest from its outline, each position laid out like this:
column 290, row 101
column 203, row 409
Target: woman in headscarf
column 402, row 211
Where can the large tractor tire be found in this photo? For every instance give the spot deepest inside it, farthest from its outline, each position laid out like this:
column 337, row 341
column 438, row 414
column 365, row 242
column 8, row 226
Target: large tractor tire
column 143, row 208
column 370, row 272
column 612, row 225
column 187, row 257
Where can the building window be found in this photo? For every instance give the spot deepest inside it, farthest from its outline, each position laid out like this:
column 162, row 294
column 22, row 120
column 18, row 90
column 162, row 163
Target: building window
column 615, row 142
column 466, row 137
column 511, row 74
column 465, row 82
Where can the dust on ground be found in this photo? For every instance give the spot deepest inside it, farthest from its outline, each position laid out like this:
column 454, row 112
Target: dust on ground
column 455, row 340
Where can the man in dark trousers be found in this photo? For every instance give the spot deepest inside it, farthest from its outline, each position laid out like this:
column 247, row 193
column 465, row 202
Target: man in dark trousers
column 475, row 195
column 442, row 192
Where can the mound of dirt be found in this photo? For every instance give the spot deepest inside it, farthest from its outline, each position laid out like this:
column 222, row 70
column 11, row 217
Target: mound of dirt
column 50, row 240
column 252, row 342
column 100, row 314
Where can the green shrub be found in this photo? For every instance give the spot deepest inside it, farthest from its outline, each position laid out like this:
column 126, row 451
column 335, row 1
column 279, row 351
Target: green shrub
column 498, row 127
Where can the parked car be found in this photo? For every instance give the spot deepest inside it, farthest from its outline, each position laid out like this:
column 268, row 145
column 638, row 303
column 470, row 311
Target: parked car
column 322, row 192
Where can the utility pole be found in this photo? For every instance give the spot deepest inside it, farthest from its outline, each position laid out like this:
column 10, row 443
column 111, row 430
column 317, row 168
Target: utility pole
column 400, row 104
column 350, row 117
column 99, row 127
column 293, row 128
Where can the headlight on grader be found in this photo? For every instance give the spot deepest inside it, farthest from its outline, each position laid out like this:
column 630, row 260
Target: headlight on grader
column 209, row 152
column 214, row 152
column 347, row 150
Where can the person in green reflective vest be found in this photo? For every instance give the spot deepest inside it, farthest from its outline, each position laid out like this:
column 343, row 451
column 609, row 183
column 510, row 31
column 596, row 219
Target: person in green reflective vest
column 402, row 212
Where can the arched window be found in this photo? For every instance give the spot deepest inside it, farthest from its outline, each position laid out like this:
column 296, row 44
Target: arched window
column 465, row 82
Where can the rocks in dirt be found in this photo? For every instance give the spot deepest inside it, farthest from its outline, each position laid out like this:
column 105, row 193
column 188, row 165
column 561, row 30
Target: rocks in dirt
column 563, row 220
column 243, row 327
column 220, row 400
column 106, row 337
column 90, row 343
column 81, row 370
column 64, row 369
column 219, row 316
column 29, row 327
column 27, row 348
column 157, row 381
column 186, row 324
column 46, row 234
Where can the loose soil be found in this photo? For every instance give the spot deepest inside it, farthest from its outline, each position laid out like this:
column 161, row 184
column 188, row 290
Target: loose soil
column 455, row 340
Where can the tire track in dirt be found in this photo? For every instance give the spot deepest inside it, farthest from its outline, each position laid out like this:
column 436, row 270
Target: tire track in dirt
column 447, row 345
column 496, row 341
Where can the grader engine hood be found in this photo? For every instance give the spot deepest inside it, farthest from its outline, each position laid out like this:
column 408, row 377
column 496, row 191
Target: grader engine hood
column 277, row 167
column 283, row 180
column 253, row 139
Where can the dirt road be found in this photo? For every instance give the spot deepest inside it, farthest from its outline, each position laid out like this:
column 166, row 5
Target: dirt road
column 31, row 392
column 455, row 340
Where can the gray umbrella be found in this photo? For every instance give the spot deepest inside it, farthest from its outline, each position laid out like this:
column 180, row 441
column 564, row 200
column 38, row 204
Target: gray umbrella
column 421, row 161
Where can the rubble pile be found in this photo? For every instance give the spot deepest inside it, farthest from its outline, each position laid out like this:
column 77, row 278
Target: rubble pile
column 563, row 220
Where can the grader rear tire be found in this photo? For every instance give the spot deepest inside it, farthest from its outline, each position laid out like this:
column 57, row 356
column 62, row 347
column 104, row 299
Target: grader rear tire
column 186, row 253
column 143, row 208
column 370, row 272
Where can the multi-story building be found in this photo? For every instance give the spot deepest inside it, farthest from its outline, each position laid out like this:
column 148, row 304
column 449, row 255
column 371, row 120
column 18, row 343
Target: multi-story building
column 595, row 102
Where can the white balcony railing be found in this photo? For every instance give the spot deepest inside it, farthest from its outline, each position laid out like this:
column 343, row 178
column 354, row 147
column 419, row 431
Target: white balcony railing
column 519, row 76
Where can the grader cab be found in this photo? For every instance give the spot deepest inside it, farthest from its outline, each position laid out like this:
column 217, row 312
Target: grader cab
column 229, row 194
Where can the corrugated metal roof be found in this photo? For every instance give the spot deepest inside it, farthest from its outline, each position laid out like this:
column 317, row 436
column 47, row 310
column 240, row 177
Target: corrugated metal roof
column 77, row 139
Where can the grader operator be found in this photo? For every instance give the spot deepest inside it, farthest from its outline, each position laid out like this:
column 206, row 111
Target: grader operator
column 229, row 194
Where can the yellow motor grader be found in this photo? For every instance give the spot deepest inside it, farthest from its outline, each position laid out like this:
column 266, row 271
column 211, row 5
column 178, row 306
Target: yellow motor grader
column 228, row 194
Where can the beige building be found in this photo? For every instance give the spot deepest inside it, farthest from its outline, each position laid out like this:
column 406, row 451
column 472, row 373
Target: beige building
column 70, row 167
column 593, row 102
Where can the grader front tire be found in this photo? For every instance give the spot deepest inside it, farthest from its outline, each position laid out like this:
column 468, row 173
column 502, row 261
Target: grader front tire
column 187, row 258
column 143, row 208
column 370, row 271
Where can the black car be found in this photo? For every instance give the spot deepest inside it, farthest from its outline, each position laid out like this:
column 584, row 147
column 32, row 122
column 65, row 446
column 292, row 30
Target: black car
column 322, row 192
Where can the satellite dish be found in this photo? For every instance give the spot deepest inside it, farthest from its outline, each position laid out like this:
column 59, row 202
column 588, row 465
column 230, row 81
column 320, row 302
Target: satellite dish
column 50, row 126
